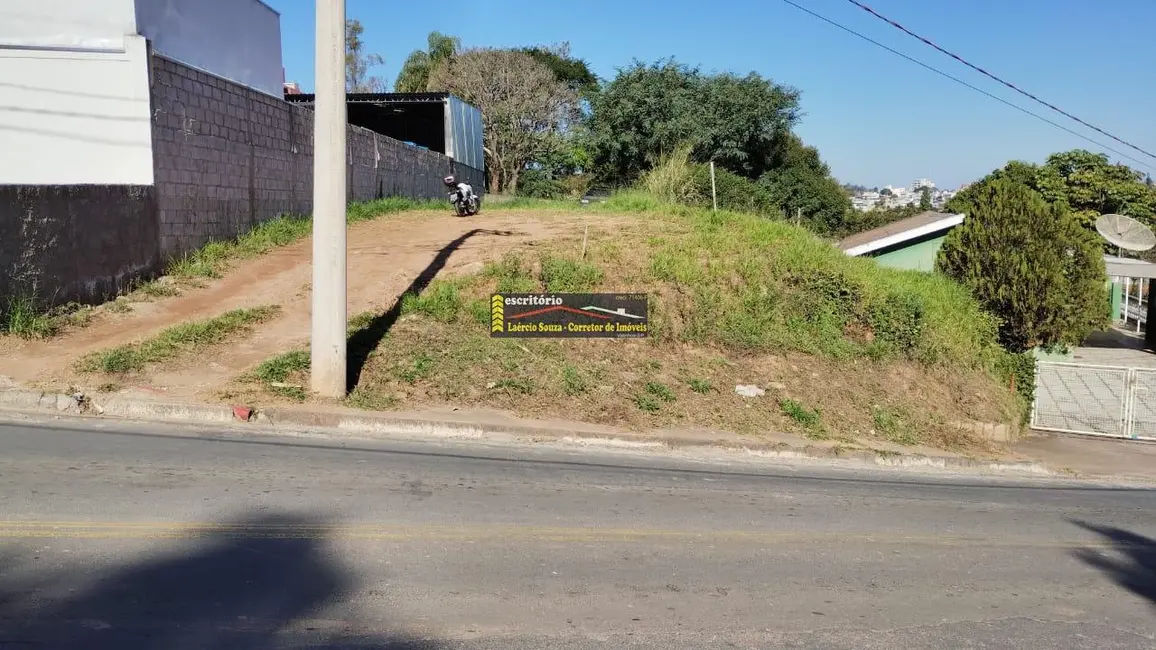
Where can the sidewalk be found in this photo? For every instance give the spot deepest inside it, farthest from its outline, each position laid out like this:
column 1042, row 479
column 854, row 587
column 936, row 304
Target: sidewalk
column 1090, row 456
column 497, row 427
column 1038, row 453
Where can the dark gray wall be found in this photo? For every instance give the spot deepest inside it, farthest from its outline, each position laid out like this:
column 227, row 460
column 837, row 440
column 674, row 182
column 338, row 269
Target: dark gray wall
column 75, row 242
column 228, row 157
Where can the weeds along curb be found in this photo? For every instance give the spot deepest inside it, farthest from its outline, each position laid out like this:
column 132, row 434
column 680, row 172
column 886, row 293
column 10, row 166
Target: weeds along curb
column 384, row 425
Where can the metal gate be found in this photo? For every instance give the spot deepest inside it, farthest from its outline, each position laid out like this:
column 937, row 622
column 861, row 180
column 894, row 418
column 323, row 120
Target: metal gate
column 1095, row 400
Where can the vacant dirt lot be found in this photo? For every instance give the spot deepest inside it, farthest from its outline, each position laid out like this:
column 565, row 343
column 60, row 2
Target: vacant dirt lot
column 386, row 257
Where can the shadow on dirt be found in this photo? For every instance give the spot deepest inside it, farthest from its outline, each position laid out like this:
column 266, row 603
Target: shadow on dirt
column 1133, row 568
column 260, row 583
column 364, row 341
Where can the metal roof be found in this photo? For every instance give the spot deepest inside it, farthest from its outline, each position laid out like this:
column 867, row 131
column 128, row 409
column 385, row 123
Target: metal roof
column 922, row 224
column 376, row 98
column 1127, row 267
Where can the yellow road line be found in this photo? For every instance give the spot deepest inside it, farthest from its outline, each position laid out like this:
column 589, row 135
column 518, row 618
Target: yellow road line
column 483, row 532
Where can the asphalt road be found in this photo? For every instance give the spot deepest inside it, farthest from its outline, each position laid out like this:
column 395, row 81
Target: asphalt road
column 130, row 538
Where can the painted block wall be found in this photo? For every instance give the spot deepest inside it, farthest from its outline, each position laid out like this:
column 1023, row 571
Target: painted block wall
column 917, row 257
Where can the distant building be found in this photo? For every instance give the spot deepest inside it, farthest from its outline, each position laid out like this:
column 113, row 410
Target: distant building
column 920, row 183
column 292, row 88
column 435, row 121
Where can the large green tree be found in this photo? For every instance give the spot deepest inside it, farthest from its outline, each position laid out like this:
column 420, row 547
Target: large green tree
column 802, row 185
column 1088, row 183
column 572, row 71
column 649, row 110
column 358, row 62
column 415, row 72
column 1030, row 262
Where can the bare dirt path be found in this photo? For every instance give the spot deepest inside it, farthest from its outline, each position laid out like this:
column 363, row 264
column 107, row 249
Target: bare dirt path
column 386, row 257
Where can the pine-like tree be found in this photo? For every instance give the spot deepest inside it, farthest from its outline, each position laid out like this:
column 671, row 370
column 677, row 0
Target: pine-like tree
column 1030, row 263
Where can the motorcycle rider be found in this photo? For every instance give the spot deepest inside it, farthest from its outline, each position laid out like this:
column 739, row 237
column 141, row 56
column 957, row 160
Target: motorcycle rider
column 465, row 192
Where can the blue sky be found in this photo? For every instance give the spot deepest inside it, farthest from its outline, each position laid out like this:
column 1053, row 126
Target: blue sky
column 876, row 118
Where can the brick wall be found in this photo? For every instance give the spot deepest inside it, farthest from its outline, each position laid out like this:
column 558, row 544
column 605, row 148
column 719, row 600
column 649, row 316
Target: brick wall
column 75, row 242
column 227, row 158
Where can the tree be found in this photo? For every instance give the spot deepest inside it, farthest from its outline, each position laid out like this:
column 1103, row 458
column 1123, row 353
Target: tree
column 648, row 110
column 925, row 199
column 801, row 183
column 1031, row 263
column 415, row 72
column 1086, row 182
column 358, row 63
column 575, row 73
column 524, row 107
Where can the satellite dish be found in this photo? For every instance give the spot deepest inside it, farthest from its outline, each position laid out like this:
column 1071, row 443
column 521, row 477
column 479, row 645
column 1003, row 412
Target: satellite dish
column 1125, row 232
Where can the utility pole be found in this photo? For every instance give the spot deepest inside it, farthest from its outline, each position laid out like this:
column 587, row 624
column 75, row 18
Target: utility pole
column 329, row 318
column 713, row 193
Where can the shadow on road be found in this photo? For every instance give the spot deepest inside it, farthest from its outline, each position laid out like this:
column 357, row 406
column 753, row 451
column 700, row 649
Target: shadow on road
column 257, row 584
column 364, row 341
column 1133, row 568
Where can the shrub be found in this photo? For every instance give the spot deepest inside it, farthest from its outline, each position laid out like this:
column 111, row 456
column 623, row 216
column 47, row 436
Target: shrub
column 537, row 184
column 672, row 180
column 1031, row 264
column 734, row 192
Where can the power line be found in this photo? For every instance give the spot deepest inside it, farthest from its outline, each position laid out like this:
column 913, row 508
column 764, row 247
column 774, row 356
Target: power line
column 995, row 78
column 966, row 84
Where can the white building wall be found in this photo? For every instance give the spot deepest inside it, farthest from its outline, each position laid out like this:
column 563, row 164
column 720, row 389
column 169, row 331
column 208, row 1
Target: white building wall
column 239, row 40
column 67, row 24
column 74, row 95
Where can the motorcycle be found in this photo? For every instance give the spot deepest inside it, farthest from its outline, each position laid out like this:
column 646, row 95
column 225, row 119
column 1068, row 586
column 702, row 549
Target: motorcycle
column 466, row 207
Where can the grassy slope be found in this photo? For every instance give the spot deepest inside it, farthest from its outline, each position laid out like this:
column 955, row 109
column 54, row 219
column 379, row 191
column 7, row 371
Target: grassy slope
column 846, row 348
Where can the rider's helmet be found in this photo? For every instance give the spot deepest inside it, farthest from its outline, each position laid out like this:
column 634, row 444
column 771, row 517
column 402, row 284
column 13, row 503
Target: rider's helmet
column 450, row 181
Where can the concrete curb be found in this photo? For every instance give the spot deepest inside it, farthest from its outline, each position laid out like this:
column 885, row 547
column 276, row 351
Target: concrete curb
column 388, row 425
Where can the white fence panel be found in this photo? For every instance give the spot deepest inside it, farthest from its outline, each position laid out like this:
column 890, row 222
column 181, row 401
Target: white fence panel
column 1142, row 411
column 1077, row 398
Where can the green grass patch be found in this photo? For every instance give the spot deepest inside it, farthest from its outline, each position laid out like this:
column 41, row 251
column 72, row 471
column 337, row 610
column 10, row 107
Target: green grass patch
column 522, row 385
column 647, row 403
column 890, row 423
column 175, row 341
column 700, row 386
column 280, row 368
column 661, row 391
column 442, row 301
column 157, row 289
column 26, row 317
column 420, row 367
column 573, row 380
column 809, row 419
column 567, row 275
column 511, row 274
column 23, row 317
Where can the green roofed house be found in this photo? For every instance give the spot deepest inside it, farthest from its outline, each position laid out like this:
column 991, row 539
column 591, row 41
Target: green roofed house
column 911, row 243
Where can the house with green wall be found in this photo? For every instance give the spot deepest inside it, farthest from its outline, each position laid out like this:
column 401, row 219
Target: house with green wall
column 914, row 243
column 910, row 243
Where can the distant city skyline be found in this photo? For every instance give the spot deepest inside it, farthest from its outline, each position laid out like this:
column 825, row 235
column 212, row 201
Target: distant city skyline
column 873, row 116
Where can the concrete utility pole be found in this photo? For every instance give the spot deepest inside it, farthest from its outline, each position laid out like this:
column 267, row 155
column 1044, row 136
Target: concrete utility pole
column 329, row 318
